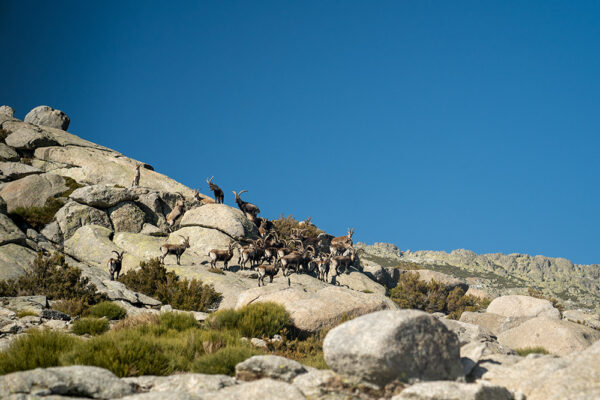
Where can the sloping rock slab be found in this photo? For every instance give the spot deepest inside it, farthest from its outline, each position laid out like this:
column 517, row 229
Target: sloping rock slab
column 24, row 303
column 557, row 336
column 317, row 309
column 219, row 216
column 523, row 306
column 29, row 138
column 263, row 389
column 10, row 171
column 102, row 196
column 48, row 116
column 77, row 381
column 494, row 322
column 14, row 260
column 8, row 154
column 185, row 383
column 269, row 366
column 32, row 191
column 454, row 391
column 73, row 216
column 9, row 232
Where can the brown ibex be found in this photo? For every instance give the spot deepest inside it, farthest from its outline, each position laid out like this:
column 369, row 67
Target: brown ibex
column 219, row 195
column 115, row 264
column 175, row 212
column 343, row 261
column 267, row 270
column 247, row 208
column 221, row 255
column 323, row 267
column 344, row 239
column 177, row 249
column 296, row 259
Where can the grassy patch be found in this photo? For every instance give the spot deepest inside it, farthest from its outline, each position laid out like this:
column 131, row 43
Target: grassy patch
column 52, row 277
column 224, row 360
column 412, row 293
column 36, row 349
column 531, row 350
column 153, row 280
column 90, row 326
column 107, row 309
column 26, row 313
column 38, row 217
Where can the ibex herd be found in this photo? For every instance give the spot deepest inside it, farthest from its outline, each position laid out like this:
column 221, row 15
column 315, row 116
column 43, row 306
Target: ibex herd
column 268, row 254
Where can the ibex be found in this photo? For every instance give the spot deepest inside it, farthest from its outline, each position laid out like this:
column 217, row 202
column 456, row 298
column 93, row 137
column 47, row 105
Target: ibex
column 323, row 267
column 219, row 195
column 175, row 212
column 344, row 239
column 176, row 249
column 267, row 270
column 296, row 259
column 247, row 208
column 115, row 264
column 136, row 176
column 338, row 248
column 343, row 261
column 221, row 255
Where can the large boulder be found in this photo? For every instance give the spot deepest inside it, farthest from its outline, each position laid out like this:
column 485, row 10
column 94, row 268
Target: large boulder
column 48, row 116
column 8, row 154
column 495, row 323
column 25, row 303
column 316, row 382
column 138, row 247
column 14, row 260
column 32, row 191
column 263, row 389
column 7, row 111
column 384, row 346
column 29, row 137
column 202, row 240
column 312, row 308
column 357, row 281
column 468, row 332
column 219, row 217
column 523, row 306
column 444, row 390
column 9, row 171
column 76, row 381
column 102, row 196
column 269, row 366
column 557, row 336
column 73, row 216
column 127, row 217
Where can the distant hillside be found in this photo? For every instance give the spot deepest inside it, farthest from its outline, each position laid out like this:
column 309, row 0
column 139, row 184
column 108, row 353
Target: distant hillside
column 501, row 273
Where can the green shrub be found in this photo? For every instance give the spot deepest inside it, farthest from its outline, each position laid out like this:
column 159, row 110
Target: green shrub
column 125, row 353
column 107, row 309
column 531, row 350
column 176, row 321
column 38, row 217
column 90, row 326
column 285, row 225
column 26, row 313
column 72, row 307
column 214, row 340
column 52, row 277
column 153, row 280
column 253, row 320
column 36, row 349
column 432, row 296
column 224, row 360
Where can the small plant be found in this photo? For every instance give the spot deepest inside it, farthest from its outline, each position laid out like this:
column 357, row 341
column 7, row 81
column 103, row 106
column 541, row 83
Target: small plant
column 254, row 320
column 523, row 352
column 90, row 326
column 27, row 313
column 153, row 280
column 72, row 184
column 107, row 309
column 52, row 277
column 36, row 349
column 224, row 360
column 367, row 291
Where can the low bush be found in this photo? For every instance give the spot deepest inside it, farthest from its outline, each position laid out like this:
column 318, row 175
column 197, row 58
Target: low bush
column 175, row 321
column 413, row 293
column 38, row 217
column 52, row 277
column 523, row 352
column 132, row 321
column 254, row 320
column 285, row 225
column 90, row 326
column 107, row 309
column 72, row 307
column 153, row 279
column 36, row 349
column 224, row 360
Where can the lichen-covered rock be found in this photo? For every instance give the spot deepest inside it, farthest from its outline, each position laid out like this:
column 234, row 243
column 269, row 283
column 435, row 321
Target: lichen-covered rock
column 382, row 347
column 8, row 154
column 454, row 391
column 14, row 260
column 523, row 306
column 268, row 366
column 25, row 303
column 78, row 380
column 52, row 232
column 495, row 323
column 316, row 382
column 468, row 332
column 73, row 216
column 186, row 383
column 48, row 116
column 556, row 336
column 28, row 137
column 127, row 217
column 102, row 196
column 33, row 190
column 263, row 389
column 314, row 307
column 221, row 217
column 9, row 171
column 9, row 232
column 582, row 317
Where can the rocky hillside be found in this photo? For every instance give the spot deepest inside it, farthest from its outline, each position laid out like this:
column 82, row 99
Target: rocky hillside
column 498, row 274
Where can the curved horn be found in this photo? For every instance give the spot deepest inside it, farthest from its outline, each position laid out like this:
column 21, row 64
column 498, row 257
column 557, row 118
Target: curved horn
column 122, row 253
column 235, row 194
column 116, row 252
column 241, row 192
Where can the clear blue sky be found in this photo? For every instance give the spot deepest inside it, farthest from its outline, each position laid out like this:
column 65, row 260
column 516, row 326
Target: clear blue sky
column 431, row 125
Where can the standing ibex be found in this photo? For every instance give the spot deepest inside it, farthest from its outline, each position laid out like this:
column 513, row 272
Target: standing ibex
column 343, row 261
column 344, row 239
column 115, row 264
column 175, row 212
column 267, row 270
column 136, row 176
column 221, row 255
column 219, row 195
column 247, row 208
column 176, row 249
